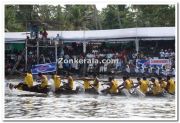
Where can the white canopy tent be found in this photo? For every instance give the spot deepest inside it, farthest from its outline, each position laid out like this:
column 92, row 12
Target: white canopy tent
column 151, row 33
column 128, row 34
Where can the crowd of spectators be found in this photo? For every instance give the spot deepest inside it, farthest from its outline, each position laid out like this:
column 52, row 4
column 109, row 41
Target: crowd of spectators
column 127, row 58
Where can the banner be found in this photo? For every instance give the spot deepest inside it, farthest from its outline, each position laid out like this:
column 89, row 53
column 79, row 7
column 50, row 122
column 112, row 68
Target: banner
column 43, row 68
column 159, row 62
column 143, row 62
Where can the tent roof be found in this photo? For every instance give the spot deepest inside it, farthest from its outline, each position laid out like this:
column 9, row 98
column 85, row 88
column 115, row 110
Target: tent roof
column 127, row 33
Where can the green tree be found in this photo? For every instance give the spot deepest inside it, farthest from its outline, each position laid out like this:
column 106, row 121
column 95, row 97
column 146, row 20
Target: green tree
column 155, row 15
column 11, row 22
column 80, row 17
column 115, row 16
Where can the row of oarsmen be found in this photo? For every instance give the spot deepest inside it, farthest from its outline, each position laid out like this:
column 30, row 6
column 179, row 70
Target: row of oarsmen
column 153, row 86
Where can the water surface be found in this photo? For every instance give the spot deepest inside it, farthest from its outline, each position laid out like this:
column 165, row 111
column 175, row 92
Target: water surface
column 84, row 106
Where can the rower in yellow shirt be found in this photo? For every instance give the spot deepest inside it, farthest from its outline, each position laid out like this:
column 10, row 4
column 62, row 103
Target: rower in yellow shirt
column 162, row 84
column 113, row 86
column 170, row 88
column 28, row 82
column 143, row 85
column 57, row 81
column 70, row 84
column 87, row 85
column 44, row 81
column 131, row 82
column 127, row 84
column 113, row 89
column 156, row 89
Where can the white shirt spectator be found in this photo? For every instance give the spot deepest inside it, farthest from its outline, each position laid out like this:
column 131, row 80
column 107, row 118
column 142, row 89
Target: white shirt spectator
column 118, row 64
column 66, row 56
column 166, row 54
column 94, row 51
column 101, row 55
column 13, row 57
column 76, row 66
column 137, row 62
column 134, row 55
column 172, row 54
column 136, row 69
column 173, row 72
column 57, row 37
column 90, row 67
column 89, row 55
column 101, row 69
column 30, row 53
column 109, row 55
column 150, row 70
column 161, row 54
column 157, row 70
column 142, row 69
column 105, row 67
column 60, row 65
column 62, row 52
column 127, row 69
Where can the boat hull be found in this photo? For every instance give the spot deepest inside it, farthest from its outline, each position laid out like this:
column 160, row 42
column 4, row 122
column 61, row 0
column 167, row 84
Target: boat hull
column 89, row 91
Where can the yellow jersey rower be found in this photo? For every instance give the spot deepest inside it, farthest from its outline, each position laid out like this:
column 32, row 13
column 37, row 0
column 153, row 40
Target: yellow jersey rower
column 156, row 89
column 170, row 88
column 143, row 85
column 28, row 82
column 86, row 84
column 70, row 84
column 57, row 81
column 44, row 80
column 127, row 84
column 162, row 83
column 113, row 86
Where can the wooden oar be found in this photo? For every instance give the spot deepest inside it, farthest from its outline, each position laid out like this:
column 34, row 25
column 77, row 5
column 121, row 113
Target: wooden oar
column 103, row 86
column 126, row 92
column 80, row 82
column 137, row 91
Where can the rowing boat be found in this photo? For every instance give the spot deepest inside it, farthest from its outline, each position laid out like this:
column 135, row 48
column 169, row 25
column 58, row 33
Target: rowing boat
column 35, row 89
column 63, row 91
column 123, row 92
column 91, row 91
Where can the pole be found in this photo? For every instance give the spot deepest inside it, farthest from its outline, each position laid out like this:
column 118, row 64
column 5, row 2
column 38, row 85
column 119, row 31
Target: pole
column 26, row 55
column 137, row 45
column 56, row 51
column 136, row 40
column 84, row 43
column 37, row 51
column 26, row 49
column 56, row 42
column 84, row 51
column 84, row 47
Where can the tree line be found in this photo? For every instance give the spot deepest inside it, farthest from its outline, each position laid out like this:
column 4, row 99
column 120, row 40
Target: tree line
column 87, row 17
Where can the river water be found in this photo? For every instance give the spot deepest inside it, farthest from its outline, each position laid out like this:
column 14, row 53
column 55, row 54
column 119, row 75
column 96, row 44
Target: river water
column 85, row 106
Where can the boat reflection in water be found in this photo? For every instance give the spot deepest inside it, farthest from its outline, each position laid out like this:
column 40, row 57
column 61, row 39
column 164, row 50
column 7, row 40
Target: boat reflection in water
column 83, row 106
